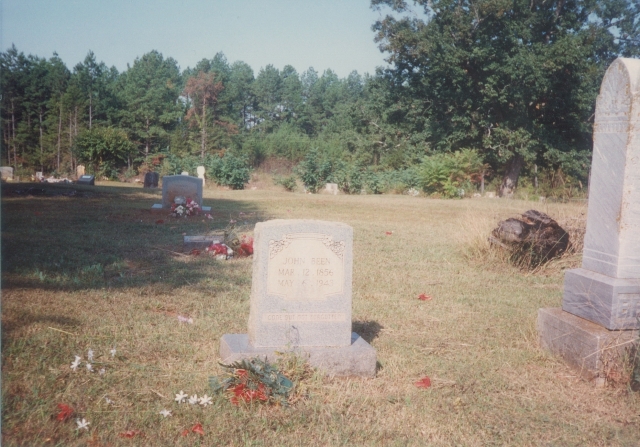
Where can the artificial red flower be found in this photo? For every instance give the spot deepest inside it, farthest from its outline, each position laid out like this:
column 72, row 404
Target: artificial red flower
column 217, row 249
column 185, row 432
column 389, row 233
column 424, row 297
column 198, row 429
column 194, row 252
column 425, row 382
column 65, row 412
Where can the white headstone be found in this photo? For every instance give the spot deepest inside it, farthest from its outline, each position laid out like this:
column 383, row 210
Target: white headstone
column 301, row 298
column 184, row 173
column 200, row 171
column 6, row 172
column 606, row 290
column 79, row 171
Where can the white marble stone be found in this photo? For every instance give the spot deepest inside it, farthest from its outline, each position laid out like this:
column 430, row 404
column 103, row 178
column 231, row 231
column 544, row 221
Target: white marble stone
column 612, row 240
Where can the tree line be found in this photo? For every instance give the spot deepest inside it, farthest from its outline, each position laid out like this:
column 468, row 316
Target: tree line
column 475, row 90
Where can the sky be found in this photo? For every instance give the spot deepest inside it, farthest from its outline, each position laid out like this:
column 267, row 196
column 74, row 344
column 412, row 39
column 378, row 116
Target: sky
column 323, row 34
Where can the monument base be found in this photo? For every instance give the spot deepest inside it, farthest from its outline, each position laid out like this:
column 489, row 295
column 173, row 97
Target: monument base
column 611, row 302
column 589, row 348
column 357, row 360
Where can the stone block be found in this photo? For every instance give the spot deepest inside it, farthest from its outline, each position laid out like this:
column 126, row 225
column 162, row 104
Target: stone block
column 611, row 302
column 200, row 242
column 356, row 360
column 590, row 349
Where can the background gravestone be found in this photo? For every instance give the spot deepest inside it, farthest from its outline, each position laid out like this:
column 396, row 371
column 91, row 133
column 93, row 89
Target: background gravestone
column 200, row 171
column 151, row 180
column 79, row 171
column 602, row 298
column 301, row 298
column 180, row 185
column 6, row 172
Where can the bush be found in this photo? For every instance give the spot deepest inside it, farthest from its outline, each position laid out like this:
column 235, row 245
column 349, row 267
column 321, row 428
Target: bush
column 289, row 183
column 229, row 170
column 313, row 171
column 451, row 174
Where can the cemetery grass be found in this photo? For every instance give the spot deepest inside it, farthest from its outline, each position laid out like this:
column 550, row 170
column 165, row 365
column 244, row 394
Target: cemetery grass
column 97, row 270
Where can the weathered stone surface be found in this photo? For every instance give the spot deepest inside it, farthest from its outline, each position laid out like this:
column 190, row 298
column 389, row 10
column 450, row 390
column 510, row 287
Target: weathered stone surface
column 358, row 359
column 611, row 302
column 180, row 185
column 86, row 180
column 587, row 347
column 301, row 290
column 331, row 188
column 612, row 240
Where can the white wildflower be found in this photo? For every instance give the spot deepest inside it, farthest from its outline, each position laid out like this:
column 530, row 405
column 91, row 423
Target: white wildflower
column 76, row 363
column 166, row 413
column 102, row 371
column 113, row 352
column 109, row 401
column 82, row 424
column 90, row 355
column 89, row 367
column 180, row 397
column 193, row 399
column 205, row 400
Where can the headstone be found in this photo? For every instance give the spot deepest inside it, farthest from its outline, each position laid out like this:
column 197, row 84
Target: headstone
column 6, row 173
column 331, row 188
column 301, row 299
column 606, row 290
column 200, row 170
column 200, row 242
column 180, row 185
column 151, row 180
column 86, row 180
column 79, row 171
column 184, row 173
column 39, row 176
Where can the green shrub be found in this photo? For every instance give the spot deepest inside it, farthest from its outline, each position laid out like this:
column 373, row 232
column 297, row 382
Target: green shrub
column 314, row 171
column 289, row 182
column 451, row 174
column 229, row 170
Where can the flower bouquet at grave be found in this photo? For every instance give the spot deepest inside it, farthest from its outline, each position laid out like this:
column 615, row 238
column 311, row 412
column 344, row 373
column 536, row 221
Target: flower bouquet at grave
column 253, row 381
column 184, row 207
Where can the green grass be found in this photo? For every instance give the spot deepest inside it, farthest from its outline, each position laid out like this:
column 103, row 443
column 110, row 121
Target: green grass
column 95, row 271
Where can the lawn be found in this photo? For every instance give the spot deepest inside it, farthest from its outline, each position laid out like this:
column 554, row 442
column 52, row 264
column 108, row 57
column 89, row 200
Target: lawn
column 92, row 268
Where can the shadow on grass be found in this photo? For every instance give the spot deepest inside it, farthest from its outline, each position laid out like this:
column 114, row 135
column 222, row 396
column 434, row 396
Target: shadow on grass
column 367, row 329
column 22, row 318
column 106, row 237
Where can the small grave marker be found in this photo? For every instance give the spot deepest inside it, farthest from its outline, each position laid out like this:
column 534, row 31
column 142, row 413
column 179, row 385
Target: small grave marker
column 151, row 180
column 6, row 173
column 200, row 170
column 79, row 171
column 86, row 180
column 301, row 299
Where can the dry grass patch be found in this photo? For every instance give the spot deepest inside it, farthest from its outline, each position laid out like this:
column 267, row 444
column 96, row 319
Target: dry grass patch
column 475, row 338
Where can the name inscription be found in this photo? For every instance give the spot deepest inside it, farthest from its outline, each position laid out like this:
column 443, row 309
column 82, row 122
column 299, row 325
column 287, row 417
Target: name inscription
column 305, row 267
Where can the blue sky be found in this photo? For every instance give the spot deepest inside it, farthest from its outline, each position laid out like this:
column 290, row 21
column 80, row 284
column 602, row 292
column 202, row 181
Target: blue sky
column 323, row 34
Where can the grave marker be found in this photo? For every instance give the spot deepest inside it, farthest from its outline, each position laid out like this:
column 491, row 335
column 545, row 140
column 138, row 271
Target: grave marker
column 602, row 299
column 180, row 185
column 6, row 173
column 79, row 171
column 86, row 180
column 200, row 171
column 151, row 180
column 301, row 298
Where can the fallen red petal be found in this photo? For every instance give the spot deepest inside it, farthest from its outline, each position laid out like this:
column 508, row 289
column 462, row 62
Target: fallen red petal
column 424, row 297
column 130, row 433
column 185, row 432
column 389, row 233
column 198, row 429
column 195, row 252
column 425, row 382
column 159, row 221
column 65, row 412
